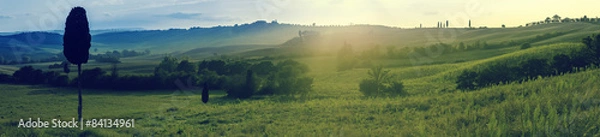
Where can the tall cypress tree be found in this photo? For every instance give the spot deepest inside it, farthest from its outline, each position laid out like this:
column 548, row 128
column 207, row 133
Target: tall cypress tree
column 76, row 44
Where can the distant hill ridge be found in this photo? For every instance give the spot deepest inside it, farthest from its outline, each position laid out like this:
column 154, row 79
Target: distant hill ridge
column 273, row 33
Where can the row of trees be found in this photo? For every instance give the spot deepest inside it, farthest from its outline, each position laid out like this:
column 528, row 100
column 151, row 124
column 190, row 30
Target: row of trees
column 241, row 79
column 124, row 53
column 558, row 19
column 30, row 76
column 524, row 70
column 531, row 68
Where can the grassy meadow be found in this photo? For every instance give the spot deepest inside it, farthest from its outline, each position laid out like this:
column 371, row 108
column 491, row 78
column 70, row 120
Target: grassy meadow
column 563, row 105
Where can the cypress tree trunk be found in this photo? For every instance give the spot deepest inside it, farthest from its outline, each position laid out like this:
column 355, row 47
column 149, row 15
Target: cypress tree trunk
column 205, row 92
column 79, row 85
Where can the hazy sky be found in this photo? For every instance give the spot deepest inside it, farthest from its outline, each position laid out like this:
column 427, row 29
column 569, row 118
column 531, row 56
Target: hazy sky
column 33, row 15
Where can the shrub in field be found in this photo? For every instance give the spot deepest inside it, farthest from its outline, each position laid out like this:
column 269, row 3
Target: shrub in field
column 369, row 87
column 289, row 78
column 380, row 83
column 29, row 75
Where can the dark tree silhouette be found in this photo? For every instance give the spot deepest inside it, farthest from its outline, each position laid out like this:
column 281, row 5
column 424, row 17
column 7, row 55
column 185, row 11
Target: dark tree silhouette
column 205, row 92
column 556, row 18
column 469, row 23
column 585, row 18
column 76, row 44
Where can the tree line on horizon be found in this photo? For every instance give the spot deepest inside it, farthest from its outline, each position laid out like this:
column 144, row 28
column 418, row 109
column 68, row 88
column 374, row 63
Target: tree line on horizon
column 557, row 19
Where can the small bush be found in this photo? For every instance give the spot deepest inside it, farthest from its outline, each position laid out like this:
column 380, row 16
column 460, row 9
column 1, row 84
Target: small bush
column 370, row 87
column 380, row 84
column 29, row 75
column 289, row 79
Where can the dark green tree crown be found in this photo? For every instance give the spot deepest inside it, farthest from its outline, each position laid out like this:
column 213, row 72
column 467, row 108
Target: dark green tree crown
column 77, row 38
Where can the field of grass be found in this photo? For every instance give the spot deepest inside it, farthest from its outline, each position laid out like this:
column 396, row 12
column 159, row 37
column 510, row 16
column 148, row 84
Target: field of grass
column 563, row 105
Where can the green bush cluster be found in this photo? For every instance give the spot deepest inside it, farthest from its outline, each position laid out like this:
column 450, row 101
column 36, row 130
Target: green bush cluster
column 30, row 76
column 380, row 83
